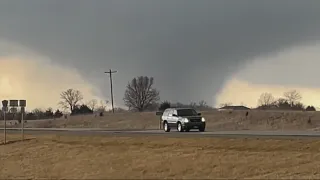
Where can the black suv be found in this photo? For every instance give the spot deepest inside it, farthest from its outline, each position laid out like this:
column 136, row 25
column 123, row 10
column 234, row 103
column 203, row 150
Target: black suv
column 183, row 119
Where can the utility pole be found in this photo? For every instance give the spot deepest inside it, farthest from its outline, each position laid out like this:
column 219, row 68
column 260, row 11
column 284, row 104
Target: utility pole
column 4, row 110
column 110, row 72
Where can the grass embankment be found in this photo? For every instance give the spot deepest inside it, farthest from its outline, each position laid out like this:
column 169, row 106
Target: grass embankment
column 94, row 157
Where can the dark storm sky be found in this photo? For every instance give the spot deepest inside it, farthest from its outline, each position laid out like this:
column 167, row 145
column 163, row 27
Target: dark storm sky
column 190, row 47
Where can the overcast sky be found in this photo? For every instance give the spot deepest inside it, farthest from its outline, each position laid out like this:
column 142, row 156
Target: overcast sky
column 193, row 48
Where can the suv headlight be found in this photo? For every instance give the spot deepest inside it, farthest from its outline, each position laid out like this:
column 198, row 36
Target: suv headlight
column 203, row 119
column 185, row 120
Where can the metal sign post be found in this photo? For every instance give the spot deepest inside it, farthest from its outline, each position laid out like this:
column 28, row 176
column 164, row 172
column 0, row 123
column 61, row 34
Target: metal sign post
column 13, row 104
column 4, row 110
column 22, row 123
column 22, row 104
column 5, row 126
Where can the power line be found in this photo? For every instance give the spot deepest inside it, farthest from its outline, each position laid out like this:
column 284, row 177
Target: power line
column 110, row 72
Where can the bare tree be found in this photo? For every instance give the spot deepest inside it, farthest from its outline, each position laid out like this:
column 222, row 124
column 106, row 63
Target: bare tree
column 70, row 99
column 203, row 104
column 193, row 105
column 266, row 100
column 292, row 96
column 140, row 94
column 92, row 104
column 37, row 112
column 103, row 105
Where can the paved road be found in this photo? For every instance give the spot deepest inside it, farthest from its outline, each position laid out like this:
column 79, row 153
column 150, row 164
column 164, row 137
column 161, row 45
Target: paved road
column 233, row 134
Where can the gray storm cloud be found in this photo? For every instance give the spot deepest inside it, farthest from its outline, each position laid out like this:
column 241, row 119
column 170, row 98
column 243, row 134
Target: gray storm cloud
column 190, row 47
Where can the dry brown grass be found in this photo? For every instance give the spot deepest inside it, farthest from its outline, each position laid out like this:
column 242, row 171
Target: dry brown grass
column 95, row 157
column 257, row 120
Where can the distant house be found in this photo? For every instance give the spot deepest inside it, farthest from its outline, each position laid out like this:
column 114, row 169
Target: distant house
column 233, row 108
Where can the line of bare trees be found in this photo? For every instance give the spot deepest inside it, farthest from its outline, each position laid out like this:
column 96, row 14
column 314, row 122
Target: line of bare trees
column 72, row 100
column 289, row 101
column 140, row 95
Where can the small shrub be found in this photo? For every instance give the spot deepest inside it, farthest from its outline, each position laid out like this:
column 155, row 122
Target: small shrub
column 309, row 120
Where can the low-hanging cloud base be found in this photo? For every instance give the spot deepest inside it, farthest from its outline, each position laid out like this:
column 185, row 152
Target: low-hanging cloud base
column 39, row 81
column 190, row 47
column 295, row 68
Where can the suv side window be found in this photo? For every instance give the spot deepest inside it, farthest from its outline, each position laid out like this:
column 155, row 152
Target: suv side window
column 166, row 112
column 174, row 112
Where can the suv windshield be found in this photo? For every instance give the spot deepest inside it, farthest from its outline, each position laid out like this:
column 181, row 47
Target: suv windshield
column 186, row 112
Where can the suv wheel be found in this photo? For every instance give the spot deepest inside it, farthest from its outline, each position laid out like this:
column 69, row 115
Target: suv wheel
column 179, row 127
column 201, row 129
column 166, row 127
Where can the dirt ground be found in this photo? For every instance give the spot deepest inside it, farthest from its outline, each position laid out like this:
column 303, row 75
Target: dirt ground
column 96, row 157
column 236, row 120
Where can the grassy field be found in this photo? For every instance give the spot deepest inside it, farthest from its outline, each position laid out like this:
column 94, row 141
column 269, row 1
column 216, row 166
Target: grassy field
column 95, row 157
column 257, row 120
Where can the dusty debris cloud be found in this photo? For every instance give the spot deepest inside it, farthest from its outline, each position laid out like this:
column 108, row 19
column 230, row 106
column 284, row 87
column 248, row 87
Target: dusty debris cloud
column 191, row 47
column 39, row 82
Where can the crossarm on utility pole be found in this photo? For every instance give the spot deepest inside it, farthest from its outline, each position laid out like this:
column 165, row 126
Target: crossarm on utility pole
column 110, row 72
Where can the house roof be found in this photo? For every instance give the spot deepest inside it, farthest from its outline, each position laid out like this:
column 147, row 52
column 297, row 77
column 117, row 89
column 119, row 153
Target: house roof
column 235, row 107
